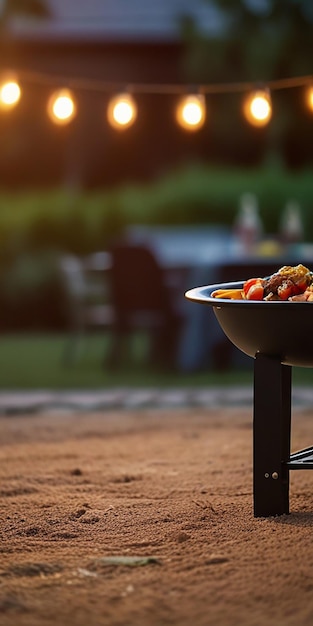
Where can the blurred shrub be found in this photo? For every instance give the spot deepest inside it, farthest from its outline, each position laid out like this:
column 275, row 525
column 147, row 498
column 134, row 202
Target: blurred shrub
column 86, row 222
column 36, row 227
column 32, row 294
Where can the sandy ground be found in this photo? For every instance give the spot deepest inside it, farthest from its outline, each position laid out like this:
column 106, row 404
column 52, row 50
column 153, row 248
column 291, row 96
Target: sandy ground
column 167, row 492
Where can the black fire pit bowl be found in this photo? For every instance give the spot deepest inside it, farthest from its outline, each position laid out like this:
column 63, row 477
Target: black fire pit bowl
column 277, row 335
column 283, row 330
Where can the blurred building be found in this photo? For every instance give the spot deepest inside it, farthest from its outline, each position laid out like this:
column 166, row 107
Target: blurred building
column 116, row 41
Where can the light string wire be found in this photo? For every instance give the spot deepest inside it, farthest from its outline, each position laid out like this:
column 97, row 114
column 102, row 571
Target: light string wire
column 159, row 88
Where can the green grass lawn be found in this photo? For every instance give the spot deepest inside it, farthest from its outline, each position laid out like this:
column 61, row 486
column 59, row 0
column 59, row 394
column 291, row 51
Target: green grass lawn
column 37, row 362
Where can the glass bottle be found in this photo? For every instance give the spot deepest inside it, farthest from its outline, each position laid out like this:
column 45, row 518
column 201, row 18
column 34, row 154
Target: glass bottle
column 291, row 227
column 248, row 226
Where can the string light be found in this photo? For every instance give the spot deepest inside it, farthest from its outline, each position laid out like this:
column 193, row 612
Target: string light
column 191, row 112
column 62, row 107
column 122, row 111
column 257, row 107
column 10, row 93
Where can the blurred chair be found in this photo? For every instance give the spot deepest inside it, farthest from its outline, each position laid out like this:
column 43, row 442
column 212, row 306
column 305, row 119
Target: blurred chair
column 141, row 302
column 85, row 307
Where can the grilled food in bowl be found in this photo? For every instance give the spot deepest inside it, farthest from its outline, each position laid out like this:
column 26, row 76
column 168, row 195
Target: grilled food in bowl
column 282, row 329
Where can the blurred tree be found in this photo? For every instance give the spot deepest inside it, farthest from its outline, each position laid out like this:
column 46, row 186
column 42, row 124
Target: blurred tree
column 260, row 40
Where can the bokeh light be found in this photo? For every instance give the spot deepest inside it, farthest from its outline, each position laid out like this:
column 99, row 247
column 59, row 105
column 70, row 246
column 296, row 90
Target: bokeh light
column 191, row 112
column 10, row 93
column 62, row 107
column 258, row 108
column 309, row 97
column 122, row 111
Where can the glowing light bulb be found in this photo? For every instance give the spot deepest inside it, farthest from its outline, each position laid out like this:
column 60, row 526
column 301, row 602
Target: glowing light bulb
column 260, row 108
column 190, row 113
column 10, row 93
column 309, row 98
column 62, row 107
column 257, row 108
column 122, row 111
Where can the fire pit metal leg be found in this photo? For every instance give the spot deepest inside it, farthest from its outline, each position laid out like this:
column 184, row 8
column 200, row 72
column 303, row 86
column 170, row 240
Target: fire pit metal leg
column 271, row 436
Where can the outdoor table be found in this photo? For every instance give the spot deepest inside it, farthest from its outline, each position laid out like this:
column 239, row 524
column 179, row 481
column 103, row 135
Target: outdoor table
column 278, row 336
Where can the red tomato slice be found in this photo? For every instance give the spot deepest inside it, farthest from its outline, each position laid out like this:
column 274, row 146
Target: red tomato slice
column 256, row 292
column 249, row 283
column 301, row 285
column 285, row 290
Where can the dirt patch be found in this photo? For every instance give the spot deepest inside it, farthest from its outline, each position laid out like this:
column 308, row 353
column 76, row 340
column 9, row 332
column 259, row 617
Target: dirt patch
column 145, row 518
